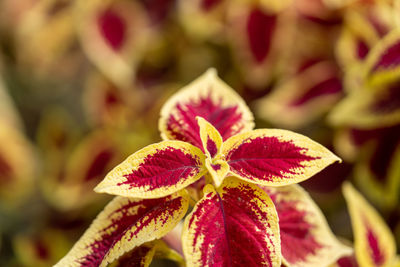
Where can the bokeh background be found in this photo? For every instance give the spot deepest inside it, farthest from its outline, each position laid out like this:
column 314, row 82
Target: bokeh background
column 82, row 83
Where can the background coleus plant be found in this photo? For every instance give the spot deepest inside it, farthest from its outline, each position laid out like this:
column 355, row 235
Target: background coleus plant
column 250, row 211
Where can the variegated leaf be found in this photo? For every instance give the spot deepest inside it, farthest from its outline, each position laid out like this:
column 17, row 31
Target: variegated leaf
column 164, row 251
column 235, row 225
column 124, row 224
column 92, row 158
column 38, row 47
column 212, row 142
column 306, row 239
column 17, row 165
column 155, row 171
column 303, row 97
column 374, row 244
column 113, row 35
column 260, row 32
column 275, row 157
column 383, row 60
column 106, row 104
column 351, row 49
column 218, row 170
column 369, row 108
column 210, row 98
column 210, row 138
column 378, row 173
column 143, row 255
column 42, row 248
column 363, row 27
column 71, row 174
column 347, row 261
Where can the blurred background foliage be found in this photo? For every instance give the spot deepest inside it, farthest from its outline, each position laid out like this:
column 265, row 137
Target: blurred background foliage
column 82, row 82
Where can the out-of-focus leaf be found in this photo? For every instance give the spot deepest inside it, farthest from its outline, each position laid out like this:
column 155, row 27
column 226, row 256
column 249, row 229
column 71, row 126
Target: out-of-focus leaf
column 114, row 35
column 348, row 261
column 378, row 171
column 106, row 104
column 383, row 60
column 364, row 26
column 69, row 178
column 369, row 108
column 7, row 109
column 41, row 249
column 37, row 44
column 373, row 242
column 57, row 133
column 259, row 35
column 203, row 19
column 302, row 98
column 17, row 165
column 143, row 255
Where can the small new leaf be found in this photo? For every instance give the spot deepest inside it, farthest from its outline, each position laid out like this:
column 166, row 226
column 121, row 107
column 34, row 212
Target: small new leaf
column 210, row 138
column 212, row 143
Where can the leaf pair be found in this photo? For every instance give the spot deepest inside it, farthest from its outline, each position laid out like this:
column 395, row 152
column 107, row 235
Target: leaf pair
column 268, row 157
column 234, row 224
column 272, row 157
column 363, row 27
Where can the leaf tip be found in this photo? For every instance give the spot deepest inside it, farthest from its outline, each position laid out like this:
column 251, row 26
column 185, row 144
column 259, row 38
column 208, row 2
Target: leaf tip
column 200, row 120
column 211, row 72
column 336, row 158
column 331, row 156
column 101, row 188
column 347, row 188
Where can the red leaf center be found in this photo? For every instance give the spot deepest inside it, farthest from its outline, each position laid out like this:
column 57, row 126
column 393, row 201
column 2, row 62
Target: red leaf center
column 260, row 30
column 113, row 29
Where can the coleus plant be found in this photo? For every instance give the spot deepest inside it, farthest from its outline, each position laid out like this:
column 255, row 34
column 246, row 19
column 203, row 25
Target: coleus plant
column 250, row 211
column 369, row 121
